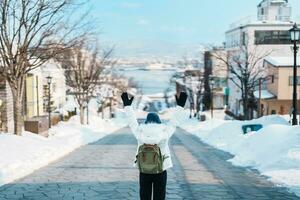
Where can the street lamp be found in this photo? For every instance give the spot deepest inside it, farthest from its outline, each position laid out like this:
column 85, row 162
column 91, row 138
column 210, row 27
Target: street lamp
column 49, row 80
column 295, row 37
column 212, row 82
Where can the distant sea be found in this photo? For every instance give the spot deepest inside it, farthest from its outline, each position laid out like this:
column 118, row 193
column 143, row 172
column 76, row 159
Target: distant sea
column 150, row 81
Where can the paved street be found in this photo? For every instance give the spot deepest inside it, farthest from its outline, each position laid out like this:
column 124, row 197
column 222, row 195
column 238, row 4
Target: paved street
column 103, row 170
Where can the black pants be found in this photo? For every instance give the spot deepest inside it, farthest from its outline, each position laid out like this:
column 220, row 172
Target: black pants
column 159, row 182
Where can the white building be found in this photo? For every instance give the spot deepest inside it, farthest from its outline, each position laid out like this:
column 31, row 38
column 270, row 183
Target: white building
column 58, row 85
column 33, row 101
column 268, row 33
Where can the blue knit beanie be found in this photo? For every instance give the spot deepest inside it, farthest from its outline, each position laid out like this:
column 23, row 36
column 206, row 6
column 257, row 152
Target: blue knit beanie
column 152, row 118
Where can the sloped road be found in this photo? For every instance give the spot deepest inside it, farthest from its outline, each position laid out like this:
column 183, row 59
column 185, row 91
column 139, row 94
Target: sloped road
column 103, row 170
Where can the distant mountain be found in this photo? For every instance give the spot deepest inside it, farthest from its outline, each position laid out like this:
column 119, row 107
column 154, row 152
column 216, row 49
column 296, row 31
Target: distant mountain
column 156, row 51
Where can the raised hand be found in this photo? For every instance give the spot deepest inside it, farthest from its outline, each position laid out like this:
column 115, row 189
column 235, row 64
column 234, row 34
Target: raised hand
column 181, row 99
column 126, row 100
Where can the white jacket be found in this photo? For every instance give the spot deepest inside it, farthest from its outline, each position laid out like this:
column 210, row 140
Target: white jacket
column 156, row 133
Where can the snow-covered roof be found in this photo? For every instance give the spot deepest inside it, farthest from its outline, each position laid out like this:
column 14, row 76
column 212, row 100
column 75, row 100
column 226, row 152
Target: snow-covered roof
column 265, row 94
column 244, row 23
column 282, row 61
column 273, row 1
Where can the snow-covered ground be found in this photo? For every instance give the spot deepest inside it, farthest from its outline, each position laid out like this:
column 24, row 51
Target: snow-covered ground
column 20, row 156
column 274, row 150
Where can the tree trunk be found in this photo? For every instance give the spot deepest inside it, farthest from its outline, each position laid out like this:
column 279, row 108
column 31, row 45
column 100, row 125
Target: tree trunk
column 245, row 101
column 81, row 114
column 17, row 89
column 245, row 109
column 18, row 118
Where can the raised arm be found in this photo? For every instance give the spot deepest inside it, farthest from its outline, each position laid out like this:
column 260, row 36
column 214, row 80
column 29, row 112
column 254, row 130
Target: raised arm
column 129, row 112
column 178, row 115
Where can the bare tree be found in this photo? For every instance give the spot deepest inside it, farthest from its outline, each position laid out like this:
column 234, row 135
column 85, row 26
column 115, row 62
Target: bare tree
column 84, row 65
column 195, row 88
column 245, row 69
column 123, row 83
column 31, row 33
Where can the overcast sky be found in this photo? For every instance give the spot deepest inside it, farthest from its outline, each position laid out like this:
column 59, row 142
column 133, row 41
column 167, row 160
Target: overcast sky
column 169, row 27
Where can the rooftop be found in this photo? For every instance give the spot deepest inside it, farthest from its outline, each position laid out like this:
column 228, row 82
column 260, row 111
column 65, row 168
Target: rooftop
column 251, row 21
column 273, row 1
column 282, row 61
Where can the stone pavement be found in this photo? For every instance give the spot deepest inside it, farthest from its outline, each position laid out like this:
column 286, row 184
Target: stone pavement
column 103, row 170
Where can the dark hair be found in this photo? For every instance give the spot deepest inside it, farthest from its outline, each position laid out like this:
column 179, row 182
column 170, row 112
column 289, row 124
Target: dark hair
column 152, row 118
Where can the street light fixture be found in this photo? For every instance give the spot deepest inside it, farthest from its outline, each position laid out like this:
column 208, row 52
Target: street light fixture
column 295, row 37
column 49, row 80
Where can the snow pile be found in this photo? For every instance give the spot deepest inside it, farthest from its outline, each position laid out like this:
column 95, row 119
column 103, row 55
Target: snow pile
column 20, row 156
column 274, row 150
column 228, row 135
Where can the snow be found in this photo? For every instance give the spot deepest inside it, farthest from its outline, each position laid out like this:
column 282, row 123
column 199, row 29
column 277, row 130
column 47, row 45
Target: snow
column 265, row 94
column 274, row 150
column 21, row 155
column 281, row 61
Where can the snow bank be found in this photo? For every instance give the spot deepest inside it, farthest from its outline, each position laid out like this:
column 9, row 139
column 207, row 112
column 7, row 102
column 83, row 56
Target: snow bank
column 274, row 150
column 228, row 134
column 20, row 156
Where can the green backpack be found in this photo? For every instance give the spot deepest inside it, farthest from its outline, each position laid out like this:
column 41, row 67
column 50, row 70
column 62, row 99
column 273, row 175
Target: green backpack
column 149, row 159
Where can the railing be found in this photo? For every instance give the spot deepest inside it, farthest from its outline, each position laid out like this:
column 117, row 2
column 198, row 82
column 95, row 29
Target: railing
column 279, row 18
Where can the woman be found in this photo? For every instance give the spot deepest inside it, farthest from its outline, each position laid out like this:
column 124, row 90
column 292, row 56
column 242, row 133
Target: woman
column 153, row 153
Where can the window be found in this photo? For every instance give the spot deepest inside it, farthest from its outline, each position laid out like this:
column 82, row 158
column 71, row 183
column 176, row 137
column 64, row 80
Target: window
column 272, row 37
column 244, row 38
column 262, row 11
column 291, row 80
column 220, row 82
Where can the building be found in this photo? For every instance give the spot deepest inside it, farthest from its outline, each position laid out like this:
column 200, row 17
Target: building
column 277, row 97
column 268, row 33
column 57, row 87
column 33, row 101
column 274, row 10
column 191, row 81
column 216, row 72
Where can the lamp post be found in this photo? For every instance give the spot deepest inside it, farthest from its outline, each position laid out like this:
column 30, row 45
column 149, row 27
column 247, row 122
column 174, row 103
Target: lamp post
column 295, row 37
column 49, row 80
column 212, row 82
